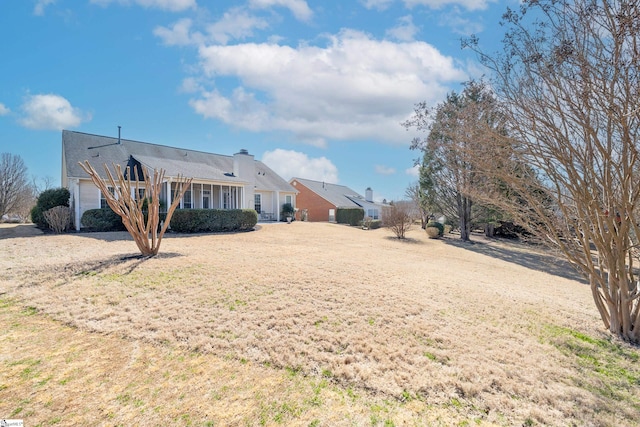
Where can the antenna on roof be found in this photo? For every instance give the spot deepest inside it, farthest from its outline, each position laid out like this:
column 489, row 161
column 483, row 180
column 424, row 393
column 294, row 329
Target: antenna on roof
column 119, row 134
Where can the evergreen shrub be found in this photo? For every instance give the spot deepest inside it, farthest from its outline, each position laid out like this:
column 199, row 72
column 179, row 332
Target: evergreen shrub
column 351, row 216
column 374, row 224
column 101, row 220
column 213, row 220
column 437, row 225
column 46, row 200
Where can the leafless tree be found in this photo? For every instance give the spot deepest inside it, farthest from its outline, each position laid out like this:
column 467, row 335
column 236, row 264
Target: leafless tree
column 568, row 78
column 15, row 191
column 418, row 197
column 398, row 219
column 125, row 200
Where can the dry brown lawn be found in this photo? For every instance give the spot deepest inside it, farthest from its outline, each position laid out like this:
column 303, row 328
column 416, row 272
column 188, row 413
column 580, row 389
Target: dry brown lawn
column 309, row 324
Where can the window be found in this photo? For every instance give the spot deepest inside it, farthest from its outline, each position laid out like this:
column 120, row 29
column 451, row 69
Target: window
column 186, row 200
column 226, row 199
column 288, row 199
column 140, row 194
column 103, row 199
column 206, row 196
column 373, row 213
column 258, row 203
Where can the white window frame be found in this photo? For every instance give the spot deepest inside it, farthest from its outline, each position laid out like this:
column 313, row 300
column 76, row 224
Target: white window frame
column 101, row 198
column 257, row 201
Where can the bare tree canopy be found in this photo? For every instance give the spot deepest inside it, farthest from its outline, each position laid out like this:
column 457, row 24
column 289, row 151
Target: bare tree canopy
column 569, row 81
column 16, row 193
column 398, row 218
column 128, row 197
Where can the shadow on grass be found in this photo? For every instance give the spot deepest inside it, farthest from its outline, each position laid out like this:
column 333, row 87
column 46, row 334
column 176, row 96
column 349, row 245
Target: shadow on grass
column 12, row 231
column 526, row 258
column 123, row 236
column 133, row 261
column 407, row 240
column 65, row 273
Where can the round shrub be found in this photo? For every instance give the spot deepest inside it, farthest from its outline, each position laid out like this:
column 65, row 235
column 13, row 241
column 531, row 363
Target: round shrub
column 437, row 225
column 46, row 200
column 432, row 232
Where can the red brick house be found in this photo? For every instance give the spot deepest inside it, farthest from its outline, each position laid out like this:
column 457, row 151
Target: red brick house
column 320, row 200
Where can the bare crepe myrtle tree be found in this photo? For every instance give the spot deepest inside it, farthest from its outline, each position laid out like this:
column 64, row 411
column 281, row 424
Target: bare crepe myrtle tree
column 568, row 81
column 124, row 199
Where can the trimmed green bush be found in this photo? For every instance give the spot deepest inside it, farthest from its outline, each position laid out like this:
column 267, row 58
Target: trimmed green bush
column 351, row 216
column 287, row 210
column 437, row 225
column 213, row 220
column 101, row 220
column 46, row 200
column 370, row 224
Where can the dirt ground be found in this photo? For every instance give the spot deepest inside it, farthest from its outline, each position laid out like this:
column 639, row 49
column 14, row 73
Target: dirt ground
column 440, row 322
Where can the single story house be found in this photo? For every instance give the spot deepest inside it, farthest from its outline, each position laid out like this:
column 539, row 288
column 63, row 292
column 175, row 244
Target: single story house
column 320, row 200
column 219, row 181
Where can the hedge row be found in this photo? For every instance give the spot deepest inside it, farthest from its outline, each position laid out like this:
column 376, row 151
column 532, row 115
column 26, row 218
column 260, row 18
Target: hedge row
column 101, row 220
column 351, row 216
column 213, row 220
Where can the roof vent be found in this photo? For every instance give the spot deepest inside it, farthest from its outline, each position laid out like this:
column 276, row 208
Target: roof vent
column 119, row 134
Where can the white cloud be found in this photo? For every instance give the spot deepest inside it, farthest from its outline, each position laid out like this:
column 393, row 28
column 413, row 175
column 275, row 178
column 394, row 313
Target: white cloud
column 299, row 8
column 52, row 112
column 179, row 34
column 4, row 110
column 405, row 31
column 38, row 9
column 384, row 170
column 414, row 171
column 377, row 4
column 439, row 4
column 433, row 4
column 355, row 87
column 289, row 164
column 170, row 5
column 459, row 24
column 190, row 85
column 235, row 24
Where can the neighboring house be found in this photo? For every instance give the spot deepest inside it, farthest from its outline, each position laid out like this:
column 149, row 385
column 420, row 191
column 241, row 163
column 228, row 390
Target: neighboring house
column 321, row 199
column 219, row 182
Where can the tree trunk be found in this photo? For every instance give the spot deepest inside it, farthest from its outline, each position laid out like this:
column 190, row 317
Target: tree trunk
column 464, row 213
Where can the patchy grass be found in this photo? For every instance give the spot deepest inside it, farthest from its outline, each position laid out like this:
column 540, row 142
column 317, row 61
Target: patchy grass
column 605, row 367
column 277, row 327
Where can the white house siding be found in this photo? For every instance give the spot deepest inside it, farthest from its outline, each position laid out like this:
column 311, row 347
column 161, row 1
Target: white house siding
column 267, row 208
column 89, row 197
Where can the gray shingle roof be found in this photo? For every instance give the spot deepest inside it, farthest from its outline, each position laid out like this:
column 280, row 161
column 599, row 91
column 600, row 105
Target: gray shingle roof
column 100, row 150
column 337, row 195
column 267, row 179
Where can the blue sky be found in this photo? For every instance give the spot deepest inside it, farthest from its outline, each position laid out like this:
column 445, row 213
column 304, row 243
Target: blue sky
column 316, row 89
